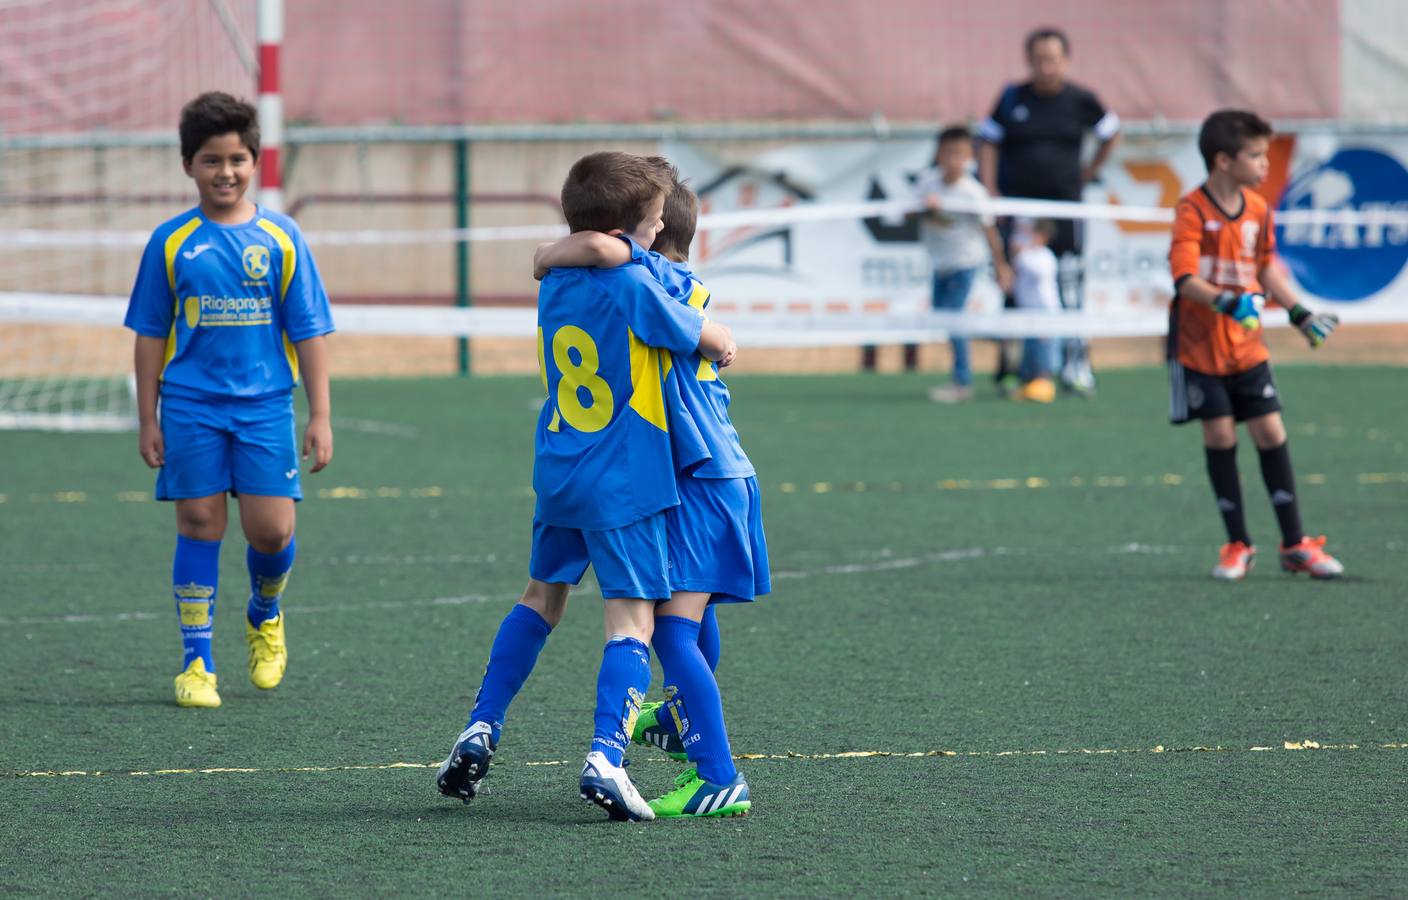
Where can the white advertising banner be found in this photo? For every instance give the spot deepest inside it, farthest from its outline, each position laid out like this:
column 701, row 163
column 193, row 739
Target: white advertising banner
column 877, row 265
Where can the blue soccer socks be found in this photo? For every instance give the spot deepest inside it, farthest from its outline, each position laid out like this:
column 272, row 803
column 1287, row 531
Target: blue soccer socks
column 701, row 722
column 268, row 575
column 511, row 659
column 620, row 690
column 672, row 712
column 709, row 637
column 195, row 575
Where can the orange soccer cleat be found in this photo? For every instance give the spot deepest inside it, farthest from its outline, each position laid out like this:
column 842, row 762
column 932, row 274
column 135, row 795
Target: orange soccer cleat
column 1234, row 560
column 1309, row 556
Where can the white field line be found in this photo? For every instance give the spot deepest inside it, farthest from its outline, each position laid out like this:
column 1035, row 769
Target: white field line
column 885, row 564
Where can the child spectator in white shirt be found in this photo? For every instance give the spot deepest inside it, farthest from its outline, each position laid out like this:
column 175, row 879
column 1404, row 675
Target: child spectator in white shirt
column 960, row 244
column 1036, row 289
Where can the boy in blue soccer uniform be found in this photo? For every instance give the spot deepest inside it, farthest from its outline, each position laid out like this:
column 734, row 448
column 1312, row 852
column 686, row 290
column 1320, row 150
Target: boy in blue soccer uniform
column 229, row 311
column 603, row 473
column 718, row 552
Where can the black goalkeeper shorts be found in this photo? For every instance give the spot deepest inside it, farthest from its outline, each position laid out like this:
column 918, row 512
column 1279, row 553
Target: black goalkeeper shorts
column 1241, row 395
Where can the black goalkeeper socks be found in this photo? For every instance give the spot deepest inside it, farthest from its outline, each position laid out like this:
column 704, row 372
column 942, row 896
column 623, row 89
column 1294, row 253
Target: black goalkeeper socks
column 1281, row 485
column 1222, row 471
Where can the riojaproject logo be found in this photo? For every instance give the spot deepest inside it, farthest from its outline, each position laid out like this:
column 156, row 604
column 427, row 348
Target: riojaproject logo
column 1338, row 260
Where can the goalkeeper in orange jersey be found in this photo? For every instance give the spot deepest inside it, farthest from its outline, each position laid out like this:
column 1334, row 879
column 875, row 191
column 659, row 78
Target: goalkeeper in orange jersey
column 1222, row 259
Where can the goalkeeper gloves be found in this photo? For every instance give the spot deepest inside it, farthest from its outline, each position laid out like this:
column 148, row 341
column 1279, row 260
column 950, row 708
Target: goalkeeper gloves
column 1244, row 307
column 1316, row 327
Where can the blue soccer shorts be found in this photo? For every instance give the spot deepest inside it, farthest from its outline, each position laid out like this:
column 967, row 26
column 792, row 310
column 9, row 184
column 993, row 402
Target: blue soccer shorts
column 631, row 561
column 716, row 539
column 218, row 444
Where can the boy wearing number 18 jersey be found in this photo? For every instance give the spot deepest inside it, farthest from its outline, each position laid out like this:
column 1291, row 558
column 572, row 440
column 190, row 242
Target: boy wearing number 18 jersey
column 603, row 473
column 718, row 552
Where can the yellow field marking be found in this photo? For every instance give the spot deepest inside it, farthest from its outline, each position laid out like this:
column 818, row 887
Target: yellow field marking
column 1383, row 478
column 132, row 496
column 1283, row 747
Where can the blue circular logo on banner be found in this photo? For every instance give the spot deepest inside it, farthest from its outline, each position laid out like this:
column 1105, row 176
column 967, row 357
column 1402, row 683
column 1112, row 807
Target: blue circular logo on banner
column 1339, row 261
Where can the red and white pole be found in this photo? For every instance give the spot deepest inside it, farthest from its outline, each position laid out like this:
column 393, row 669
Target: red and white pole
column 270, row 37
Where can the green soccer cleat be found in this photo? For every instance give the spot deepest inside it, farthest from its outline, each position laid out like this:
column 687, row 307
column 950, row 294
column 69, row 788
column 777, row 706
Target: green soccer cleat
column 695, row 797
column 650, row 731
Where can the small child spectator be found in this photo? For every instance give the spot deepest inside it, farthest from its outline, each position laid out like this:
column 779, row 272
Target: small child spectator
column 1037, row 288
column 961, row 244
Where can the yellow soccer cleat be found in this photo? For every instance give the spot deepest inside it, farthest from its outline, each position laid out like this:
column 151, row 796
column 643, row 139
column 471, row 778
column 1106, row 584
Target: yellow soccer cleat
column 195, row 687
column 268, row 654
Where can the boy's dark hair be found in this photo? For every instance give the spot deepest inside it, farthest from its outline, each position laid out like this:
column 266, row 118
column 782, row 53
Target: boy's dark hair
column 609, row 190
column 681, row 217
column 955, row 133
column 215, row 113
column 1047, row 228
column 1227, row 131
column 1046, row 34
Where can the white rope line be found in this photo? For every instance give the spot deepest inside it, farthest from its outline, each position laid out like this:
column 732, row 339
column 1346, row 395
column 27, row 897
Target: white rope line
column 799, row 329
column 29, row 238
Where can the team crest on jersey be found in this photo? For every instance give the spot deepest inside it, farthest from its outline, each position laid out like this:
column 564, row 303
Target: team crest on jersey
column 1020, row 113
column 256, row 261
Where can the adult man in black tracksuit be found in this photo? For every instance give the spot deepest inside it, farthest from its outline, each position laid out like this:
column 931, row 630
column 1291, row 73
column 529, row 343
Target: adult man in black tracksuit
column 1030, row 147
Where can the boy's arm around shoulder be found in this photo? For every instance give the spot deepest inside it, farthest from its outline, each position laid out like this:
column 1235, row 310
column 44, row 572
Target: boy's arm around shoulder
column 660, row 320
column 584, row 249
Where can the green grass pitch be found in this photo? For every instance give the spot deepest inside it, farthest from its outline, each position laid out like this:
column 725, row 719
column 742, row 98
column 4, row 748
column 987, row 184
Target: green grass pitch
column 993, row 662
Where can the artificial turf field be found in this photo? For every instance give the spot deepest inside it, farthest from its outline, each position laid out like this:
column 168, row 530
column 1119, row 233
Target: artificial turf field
column 987, row 620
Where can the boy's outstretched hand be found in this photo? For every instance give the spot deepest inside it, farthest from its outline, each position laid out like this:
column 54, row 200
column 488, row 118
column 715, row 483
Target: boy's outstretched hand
column 1244, row 307
column 317, row 442
column 1317, row 327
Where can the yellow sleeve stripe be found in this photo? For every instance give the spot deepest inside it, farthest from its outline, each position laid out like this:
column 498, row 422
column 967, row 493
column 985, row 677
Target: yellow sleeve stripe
column 290, row 255
column 171, row 248
column 699, row 297
column 290, row 265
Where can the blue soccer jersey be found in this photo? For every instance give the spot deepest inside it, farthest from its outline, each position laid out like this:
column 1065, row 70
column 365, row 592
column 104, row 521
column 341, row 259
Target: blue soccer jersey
column 702, row 392
column 231, row 301
column 603, row 449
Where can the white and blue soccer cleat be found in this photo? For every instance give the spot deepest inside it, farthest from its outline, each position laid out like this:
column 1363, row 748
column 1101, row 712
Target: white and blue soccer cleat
column 468, row 762
column 609, row 787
